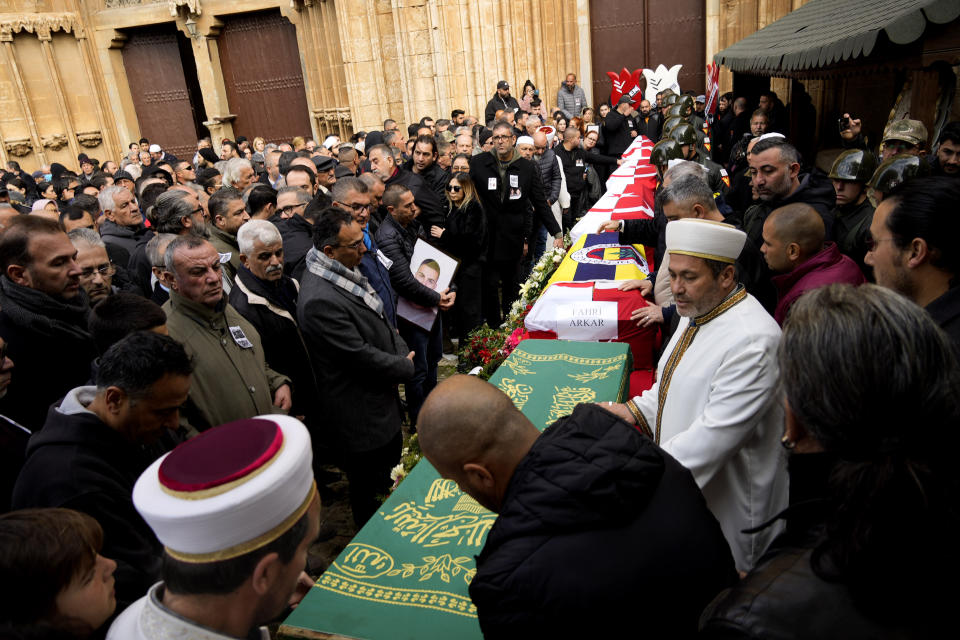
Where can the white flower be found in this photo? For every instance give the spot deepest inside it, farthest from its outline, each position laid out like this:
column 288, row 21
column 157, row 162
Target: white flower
column 524, row 288
column 557, row 259
column 398, row 473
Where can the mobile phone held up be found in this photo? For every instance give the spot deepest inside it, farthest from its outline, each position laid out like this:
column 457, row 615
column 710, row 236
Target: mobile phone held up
column 844, row 123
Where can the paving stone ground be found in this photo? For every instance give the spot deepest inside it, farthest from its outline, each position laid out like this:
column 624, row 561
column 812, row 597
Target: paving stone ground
column 336, row 505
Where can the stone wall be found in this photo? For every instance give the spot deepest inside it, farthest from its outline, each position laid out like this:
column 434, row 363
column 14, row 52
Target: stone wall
column 64, row 88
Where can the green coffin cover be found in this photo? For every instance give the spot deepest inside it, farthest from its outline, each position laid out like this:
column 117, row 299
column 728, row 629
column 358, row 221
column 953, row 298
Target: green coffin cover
column 406, row 573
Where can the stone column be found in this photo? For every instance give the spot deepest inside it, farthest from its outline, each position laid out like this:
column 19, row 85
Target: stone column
column 44, row 36
column 7, row 38
column 206, row 55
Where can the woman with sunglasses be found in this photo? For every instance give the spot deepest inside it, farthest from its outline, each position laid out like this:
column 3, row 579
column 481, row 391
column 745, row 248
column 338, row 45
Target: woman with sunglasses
column 465, row 238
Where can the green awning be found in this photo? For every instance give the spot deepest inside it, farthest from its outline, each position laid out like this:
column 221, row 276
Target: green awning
column 825, row 32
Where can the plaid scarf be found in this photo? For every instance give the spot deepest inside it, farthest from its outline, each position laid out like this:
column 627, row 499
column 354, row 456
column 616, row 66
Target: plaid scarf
column 350, row 280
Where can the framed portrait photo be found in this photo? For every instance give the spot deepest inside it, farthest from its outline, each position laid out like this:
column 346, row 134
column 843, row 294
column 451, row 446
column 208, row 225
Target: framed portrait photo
column 433, row 269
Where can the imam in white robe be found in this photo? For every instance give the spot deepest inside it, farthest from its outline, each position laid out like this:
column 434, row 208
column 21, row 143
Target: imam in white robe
column 148, row 619
column 716, row 409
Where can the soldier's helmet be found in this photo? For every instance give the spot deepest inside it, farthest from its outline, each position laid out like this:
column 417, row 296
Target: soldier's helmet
column 897, row 170
column 910, row 131
column 856, row 165
column 670, row 123
column 687, row 103
column 663, row 152
column 684, row 133
column 668, row 100
column 677, row 109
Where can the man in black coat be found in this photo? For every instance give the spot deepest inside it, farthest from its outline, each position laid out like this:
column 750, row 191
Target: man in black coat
column 509, row 188
column 424, row 164
column 619, row 128
column 92, row 450
column 501, row 100
column 359, row 360
column 267, row 298
column 599, row 529
column 775, row 164
column 294, row 227
column 383, row 165
column 43, row 318
column 573, row 158
column 914, row 251
column 354, row 196
column 397, row 237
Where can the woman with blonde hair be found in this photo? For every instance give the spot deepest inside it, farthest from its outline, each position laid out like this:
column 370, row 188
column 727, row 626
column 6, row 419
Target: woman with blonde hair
column 258, row 144
column 464, row 236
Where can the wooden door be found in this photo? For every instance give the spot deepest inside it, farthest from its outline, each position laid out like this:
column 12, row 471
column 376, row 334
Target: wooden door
column 641, row 34
column 163, row 96
column 260, row 60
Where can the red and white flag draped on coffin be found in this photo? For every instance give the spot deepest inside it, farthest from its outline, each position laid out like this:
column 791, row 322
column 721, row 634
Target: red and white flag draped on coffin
column 633, row 196
column 593, row 312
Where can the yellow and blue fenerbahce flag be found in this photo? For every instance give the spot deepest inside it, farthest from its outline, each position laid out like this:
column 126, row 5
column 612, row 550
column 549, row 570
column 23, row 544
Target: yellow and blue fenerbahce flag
column 600, row 256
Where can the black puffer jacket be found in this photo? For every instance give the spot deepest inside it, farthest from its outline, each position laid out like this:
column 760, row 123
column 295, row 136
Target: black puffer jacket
column 397, row 244
column 815, row 190
column 600, row 532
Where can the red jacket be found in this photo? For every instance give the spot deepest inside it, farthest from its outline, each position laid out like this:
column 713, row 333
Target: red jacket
column 827, row 267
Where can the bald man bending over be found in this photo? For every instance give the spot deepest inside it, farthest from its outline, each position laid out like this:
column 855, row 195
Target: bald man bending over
column 599, row 531
column 794, row 247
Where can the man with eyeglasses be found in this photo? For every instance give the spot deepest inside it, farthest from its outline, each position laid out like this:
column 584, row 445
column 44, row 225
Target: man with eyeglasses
column 509, row 187
column 353, row 195
column 297, row 231
column 358, row 357
column 96, row 270
column 185, row 173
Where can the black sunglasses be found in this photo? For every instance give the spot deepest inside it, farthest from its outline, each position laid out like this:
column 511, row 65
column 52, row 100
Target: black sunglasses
column 454, row 188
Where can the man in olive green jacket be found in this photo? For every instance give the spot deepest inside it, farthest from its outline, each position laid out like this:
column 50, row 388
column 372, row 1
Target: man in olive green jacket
column 231, row 379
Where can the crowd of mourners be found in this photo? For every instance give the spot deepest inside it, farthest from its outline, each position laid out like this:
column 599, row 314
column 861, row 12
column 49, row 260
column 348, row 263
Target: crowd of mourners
column 147, row 299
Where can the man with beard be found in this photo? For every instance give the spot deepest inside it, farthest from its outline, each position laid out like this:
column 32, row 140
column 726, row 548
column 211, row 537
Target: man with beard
column 43, row 317
column 648, row 123
column 353, row 195
column 424, row 164
column 911, row 248
column 431, row 207
column 268, row 300
column 775, row 164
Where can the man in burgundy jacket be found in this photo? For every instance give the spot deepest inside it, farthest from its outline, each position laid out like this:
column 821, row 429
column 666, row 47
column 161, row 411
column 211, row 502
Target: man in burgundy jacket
column 794, row 247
